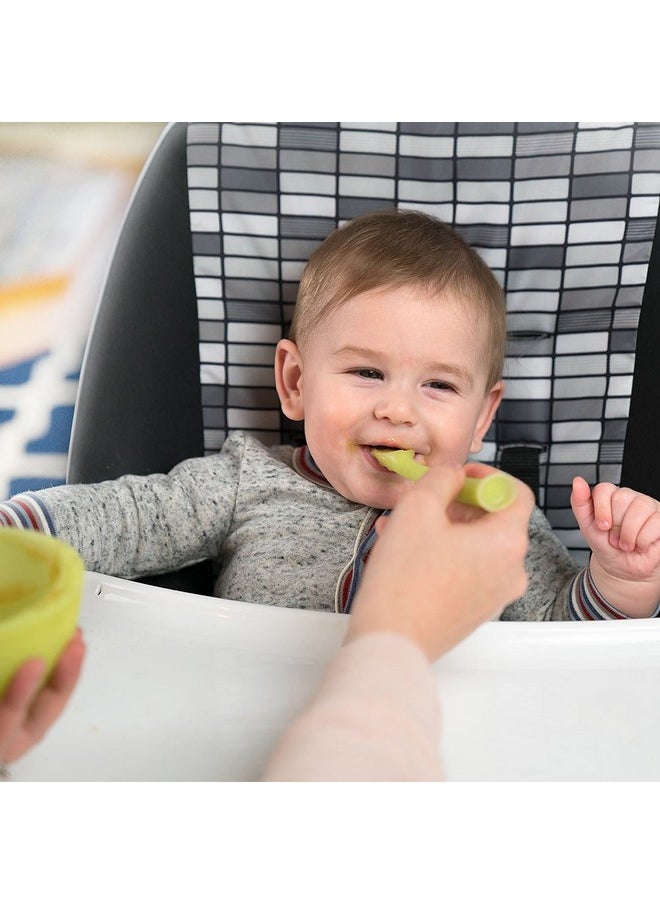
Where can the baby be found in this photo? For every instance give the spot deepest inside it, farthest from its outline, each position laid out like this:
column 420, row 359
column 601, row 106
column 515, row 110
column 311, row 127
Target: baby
column 397, row 341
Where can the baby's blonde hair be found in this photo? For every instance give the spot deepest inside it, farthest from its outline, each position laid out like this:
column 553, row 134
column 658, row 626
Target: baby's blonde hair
column 395, row 248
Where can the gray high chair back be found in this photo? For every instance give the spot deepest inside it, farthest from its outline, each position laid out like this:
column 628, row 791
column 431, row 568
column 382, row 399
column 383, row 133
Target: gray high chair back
column 204, row 277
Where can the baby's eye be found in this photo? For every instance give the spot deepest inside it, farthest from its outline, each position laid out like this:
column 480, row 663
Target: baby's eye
column 367, row 373
column 440, row 386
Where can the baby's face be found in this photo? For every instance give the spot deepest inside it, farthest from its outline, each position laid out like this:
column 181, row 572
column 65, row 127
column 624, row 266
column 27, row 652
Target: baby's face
column 393, row 367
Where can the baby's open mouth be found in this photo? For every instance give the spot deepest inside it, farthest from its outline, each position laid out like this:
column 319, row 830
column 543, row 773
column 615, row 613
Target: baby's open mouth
column 405, row 462
column 385, row 449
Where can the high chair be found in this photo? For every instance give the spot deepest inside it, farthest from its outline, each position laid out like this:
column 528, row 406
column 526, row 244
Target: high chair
column 200, row 289
column 204, row 278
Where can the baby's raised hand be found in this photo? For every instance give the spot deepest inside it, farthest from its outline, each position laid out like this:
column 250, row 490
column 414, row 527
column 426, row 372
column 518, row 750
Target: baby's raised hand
column 622, row 528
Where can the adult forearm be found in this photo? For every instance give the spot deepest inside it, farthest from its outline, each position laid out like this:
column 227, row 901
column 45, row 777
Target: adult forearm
column 375, row 717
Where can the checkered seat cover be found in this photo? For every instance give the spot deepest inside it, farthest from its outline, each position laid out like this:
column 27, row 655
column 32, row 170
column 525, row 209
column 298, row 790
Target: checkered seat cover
column 226, row 215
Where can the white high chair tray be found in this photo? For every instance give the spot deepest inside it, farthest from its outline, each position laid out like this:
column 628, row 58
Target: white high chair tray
column 179, row 687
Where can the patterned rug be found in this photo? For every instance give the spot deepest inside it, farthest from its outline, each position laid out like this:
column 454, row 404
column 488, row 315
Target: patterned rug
column 64, row 189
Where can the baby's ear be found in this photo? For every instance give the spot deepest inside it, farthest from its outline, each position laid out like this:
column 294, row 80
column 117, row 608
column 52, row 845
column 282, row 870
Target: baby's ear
column 489, row 408
column 288, row 379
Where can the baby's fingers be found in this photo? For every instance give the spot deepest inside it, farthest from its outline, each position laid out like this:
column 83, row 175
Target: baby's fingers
column 630, row 512
column 582, row 504
column 602, row 497
column 640, row 528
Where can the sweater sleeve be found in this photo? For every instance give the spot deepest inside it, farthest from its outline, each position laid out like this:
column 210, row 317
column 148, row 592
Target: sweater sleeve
column 586, row 602
column 551, row 571
column 136, row 525
column 375, row 717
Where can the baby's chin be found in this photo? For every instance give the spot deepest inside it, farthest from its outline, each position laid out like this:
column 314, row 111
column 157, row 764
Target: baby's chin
column 382, row 491
column 384, row 499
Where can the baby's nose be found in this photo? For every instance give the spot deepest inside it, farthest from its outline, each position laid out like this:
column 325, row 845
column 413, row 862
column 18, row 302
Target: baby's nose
column 396, row 407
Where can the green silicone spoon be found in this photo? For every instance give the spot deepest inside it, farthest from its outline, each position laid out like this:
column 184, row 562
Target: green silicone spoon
column 491, row 493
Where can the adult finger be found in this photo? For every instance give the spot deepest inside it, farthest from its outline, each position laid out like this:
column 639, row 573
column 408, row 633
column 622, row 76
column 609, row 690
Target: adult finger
column 16, row 702
column 55, row 695
column 46, row 705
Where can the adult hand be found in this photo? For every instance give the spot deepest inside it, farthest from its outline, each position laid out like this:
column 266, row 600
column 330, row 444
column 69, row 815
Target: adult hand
column 439, row 569
column 28, row 711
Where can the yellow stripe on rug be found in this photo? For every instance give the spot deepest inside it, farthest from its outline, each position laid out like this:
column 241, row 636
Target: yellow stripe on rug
column 26, row 290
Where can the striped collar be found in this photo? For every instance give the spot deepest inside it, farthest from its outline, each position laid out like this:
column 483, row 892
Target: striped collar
column 304, row 465
column 348, row 582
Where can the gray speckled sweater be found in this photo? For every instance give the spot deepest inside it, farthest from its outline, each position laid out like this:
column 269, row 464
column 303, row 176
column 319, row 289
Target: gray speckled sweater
column 276, row 537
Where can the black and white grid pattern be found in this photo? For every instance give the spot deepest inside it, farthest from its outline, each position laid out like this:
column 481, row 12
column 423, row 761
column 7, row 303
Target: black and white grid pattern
column 564, row 213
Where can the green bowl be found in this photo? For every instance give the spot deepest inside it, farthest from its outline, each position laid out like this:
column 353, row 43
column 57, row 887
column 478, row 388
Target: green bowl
column 40, row 593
